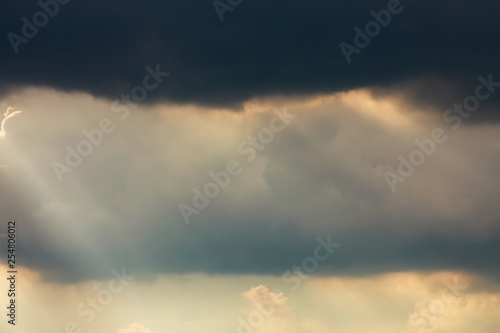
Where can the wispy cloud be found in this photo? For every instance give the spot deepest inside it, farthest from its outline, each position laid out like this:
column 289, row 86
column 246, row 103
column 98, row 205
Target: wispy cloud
column 9, row 113
column 134, row 328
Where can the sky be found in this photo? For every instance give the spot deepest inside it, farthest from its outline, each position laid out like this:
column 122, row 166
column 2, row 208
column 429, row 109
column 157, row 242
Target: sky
column 250, row 167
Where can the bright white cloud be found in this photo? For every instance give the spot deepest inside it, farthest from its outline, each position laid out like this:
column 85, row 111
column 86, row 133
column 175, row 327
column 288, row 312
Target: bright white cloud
column 262, row 298
column 9, row 113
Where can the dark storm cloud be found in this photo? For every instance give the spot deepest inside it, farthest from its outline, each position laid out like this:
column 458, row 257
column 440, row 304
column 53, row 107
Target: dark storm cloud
column 264, row 248
column 261, row 48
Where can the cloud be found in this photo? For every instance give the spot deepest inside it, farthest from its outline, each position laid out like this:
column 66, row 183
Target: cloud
column 7, row 115
column 318, row 177
column 262, row 298
column 457, row 315
column 134, row 328
column 212, row 303
column 288, row 48
column 277, row 316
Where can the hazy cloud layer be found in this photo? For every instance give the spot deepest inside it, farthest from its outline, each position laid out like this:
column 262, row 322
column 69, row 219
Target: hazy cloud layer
column 186, row 304
column 322, row 175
